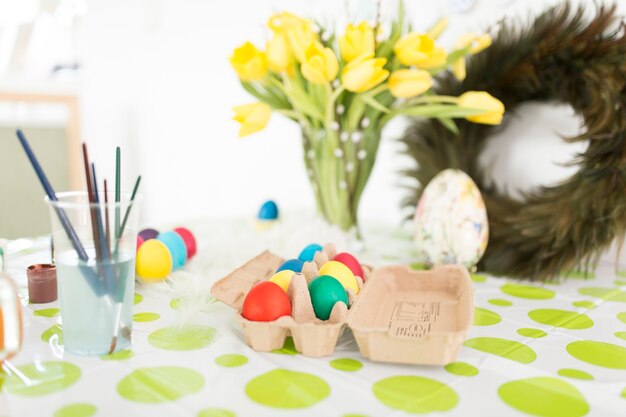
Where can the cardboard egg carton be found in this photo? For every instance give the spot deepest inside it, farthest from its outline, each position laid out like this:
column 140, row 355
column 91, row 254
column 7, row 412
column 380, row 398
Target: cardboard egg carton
column 399, row 315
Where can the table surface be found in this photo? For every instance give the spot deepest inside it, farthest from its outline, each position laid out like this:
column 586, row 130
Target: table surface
column 553, row 350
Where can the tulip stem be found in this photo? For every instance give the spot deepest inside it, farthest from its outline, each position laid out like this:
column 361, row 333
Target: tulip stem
column 290, row 113
column 377, row 90
column 330, row 105
column 432, row 99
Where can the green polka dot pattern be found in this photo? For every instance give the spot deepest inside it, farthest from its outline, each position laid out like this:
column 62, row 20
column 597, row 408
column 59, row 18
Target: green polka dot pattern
column 231, row 360
column 35, row 379
column 182, row 338
column 160, row 384
column 500, row 302
column 121, row 355
column 544, row 397
column 76, row 410
column 346, row 364
column 602, row 354
column 575, row 373
column 415, row 394
column 533, row 333
column 289, row 348
column 461, row 369
column 508, row 349
column 47, row 312
column 584, row 304
column 546, row 350
column 484, row 317
column 145, row 317
column 527, row 291
column 282, row 388
column 216, row 412
column 561, row 318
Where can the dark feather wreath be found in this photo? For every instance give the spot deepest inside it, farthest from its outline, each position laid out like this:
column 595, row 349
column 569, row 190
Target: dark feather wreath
column 561, row 56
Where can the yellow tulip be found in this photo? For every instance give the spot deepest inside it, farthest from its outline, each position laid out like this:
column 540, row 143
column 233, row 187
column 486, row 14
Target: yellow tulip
column 253, row 117
column 300, row 37
column 356, row 41
column 249, row 63
column 476, row 45
column 278, row 54
column 458, row 69
column 364, row 73
column 419, row 50
column 439, row 27
column 279, row 22
column 475, row 42
column 493, row 108
column 406, row 83
column 482, row 42
column 298, row 32
column 320, row 64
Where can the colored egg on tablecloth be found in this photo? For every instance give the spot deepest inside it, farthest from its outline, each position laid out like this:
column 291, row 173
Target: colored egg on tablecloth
column 147, row 234
column 266, row 301
column 177, row 247
column 308, row 253
column 294, row 265
column 268, row 211
column 139, row 241
column 154, row 260
column 451, row 225
column 351, row 262
column 325, row 292
column 342, row 273
column 282, row 279
column 190, row 240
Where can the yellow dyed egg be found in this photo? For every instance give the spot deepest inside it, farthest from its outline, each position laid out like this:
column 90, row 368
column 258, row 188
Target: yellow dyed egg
column 154, row 261
column 342, row 274
column 282, row 279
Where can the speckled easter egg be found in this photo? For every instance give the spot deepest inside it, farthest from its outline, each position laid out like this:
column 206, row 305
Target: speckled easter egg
column 177, row 247
column 309, row 251
column 451, row 225
column 351, row 262
column 189, row 239
column 282, row 279
column 266, row 301
column 325, row 291
column 268, row 211
column 342, row 273
column 154, row 261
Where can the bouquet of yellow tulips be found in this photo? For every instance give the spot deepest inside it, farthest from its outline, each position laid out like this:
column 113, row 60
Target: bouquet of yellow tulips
column 342, row 90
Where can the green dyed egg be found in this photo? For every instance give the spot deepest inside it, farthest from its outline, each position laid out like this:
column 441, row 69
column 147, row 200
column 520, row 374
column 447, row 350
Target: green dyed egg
column 325, row 292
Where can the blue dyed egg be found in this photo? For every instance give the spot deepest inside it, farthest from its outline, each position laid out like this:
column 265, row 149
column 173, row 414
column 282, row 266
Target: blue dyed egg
column 294, row 265
column 308, row 253
column 268, row 211
column 177, row 247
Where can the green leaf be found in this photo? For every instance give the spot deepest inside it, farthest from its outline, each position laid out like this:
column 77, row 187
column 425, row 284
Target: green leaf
column 441, row 111
column 371, row 101
column 455, row 55
column 449, row 124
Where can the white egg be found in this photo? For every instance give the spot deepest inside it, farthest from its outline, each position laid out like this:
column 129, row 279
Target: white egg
column 451, row 225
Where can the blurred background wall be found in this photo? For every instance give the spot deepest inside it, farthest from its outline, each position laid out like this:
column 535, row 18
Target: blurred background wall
column 153, row 77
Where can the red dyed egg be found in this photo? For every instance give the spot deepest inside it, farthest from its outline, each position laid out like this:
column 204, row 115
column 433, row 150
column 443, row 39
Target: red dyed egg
column 266, row 301
column 140, row 241
column 351, row 262
column 189, row 239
